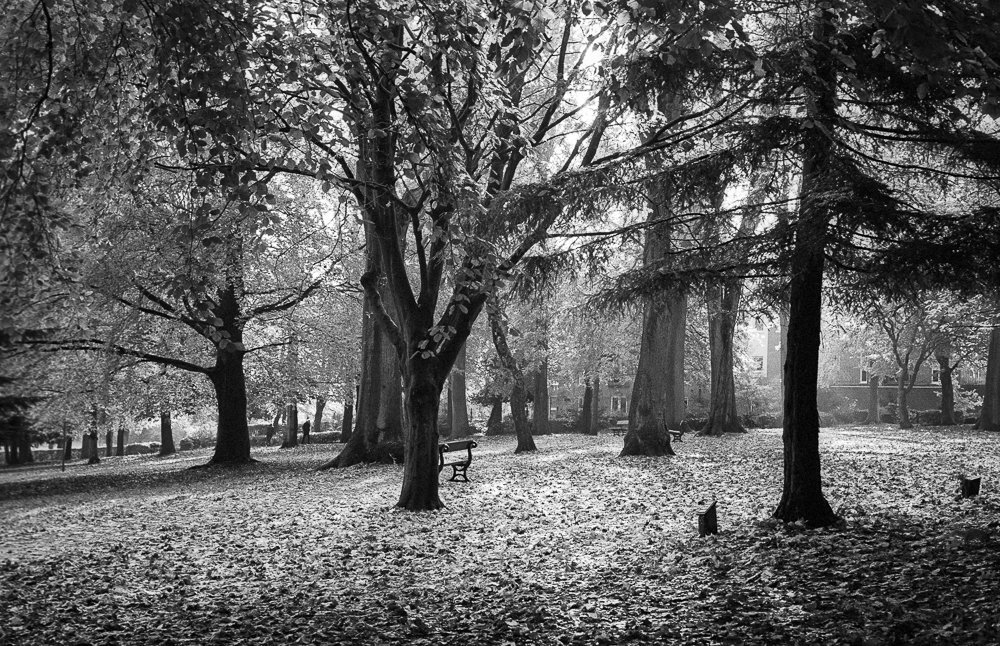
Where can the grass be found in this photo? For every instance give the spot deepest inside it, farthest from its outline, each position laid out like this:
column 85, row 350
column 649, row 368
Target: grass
column 568, row 545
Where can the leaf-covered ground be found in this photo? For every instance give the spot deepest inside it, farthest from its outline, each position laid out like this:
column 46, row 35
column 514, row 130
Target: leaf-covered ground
column 571, row 545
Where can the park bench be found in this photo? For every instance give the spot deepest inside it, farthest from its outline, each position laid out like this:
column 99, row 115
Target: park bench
column 621, row 428
column 458, row 463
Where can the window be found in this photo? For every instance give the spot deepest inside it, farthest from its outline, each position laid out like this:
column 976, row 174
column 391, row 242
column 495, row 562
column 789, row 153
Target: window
column 935, row 376
column 619, row 404
column 757, row 363
column 864, row 376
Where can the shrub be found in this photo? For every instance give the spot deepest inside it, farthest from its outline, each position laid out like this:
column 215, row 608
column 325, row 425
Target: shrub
column 326, row 437
column 138, row 448
column 185, row 445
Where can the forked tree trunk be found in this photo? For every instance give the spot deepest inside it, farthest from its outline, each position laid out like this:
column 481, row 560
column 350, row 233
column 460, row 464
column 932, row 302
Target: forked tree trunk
column 458, row 398
column 518, row 393
column 902, row 403
column 947, row 390
column 802, row 492
column 317, row 425
column 874, row 415
column 989, row 416
column 540, row 412
column 723, row 304
column 166, row 434
column 494, row 425
column 232, row 436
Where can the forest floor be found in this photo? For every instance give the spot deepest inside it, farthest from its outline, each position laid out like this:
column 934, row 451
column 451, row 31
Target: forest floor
column 570, row 545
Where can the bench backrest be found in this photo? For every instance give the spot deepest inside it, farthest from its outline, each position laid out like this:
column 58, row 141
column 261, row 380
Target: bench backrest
column 458, row 445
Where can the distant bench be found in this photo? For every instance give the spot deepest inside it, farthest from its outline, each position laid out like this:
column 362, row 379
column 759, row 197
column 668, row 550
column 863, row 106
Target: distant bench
column 621, row 428
column 458, row 463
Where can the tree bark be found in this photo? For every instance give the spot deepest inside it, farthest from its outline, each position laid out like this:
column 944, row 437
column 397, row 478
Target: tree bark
column 68, row 448
column 540, row 411
column 902, row 404
column 989, row 416
column 494, row 425
column 458, row 398
column 317, row 425
column 947, row 390
column 109, row 443
column 347, row 422
column 420, row 475
column 723, row 305
column 378, row 431
column 595, row 413
column 802, row 493
column 120, row 444
column 232, row 437
column 166, row 434
column 94, row 458
column 585, row 424
column 518, row 393
column 291, row 426
column 874, row 415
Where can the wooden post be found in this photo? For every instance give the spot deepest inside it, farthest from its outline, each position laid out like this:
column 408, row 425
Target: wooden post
column 708, row 521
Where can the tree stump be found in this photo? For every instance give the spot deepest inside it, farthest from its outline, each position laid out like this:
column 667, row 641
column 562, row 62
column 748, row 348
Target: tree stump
column 708, row 521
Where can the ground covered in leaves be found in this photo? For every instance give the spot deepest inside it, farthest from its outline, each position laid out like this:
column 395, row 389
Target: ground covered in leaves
column 571, row 545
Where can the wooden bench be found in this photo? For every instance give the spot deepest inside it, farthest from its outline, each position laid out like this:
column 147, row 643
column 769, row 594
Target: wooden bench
column 621, row 428
column 458, row 463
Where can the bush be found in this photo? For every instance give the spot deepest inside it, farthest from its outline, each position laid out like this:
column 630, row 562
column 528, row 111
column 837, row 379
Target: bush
column 139, row 448
column 926, row 417
column 185, row 445
column 327, row 437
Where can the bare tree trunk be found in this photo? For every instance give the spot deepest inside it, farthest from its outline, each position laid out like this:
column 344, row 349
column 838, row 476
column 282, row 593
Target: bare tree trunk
column 585, row 424
column 494, row 425
column 723, row 304
column 518, row 393
column 540, row 412
column 420, row 478
column 947, row 390
column 120, row 444
column 874, row 415
column 802, row 491
column 458, row 398
column 68, row 448
column 347, row 422
column 902, row 405
column 109, row 443
column 166, row 434
column 595, row 415
column 94, row 458
column 317, row 425
column 291, row 426
column 989, row 417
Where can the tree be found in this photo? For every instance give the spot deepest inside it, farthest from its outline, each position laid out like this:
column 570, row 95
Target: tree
column 515, row 376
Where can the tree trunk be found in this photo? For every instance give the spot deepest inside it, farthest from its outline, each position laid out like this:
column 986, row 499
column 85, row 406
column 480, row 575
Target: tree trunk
column 585, row 424
column 802, row 493
column 874, row 415
column 378, row 431
column 723, row 305
column 95, row 457
column 420, row 462
column 494, row 425
column 166, row 434
column 291, row 426
column 947, row 390
column 518, row 393
column 85, row 446
column 109, row 443
column 347, row 423
column 444, row 428
column 989, row 417
column 232, row 437
column 22, row 441
column 540, row 412
column 595, row 413
column 120, row 444
column 317, row 425
column 902, row 406
column 68, row 448
column 458, row 398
